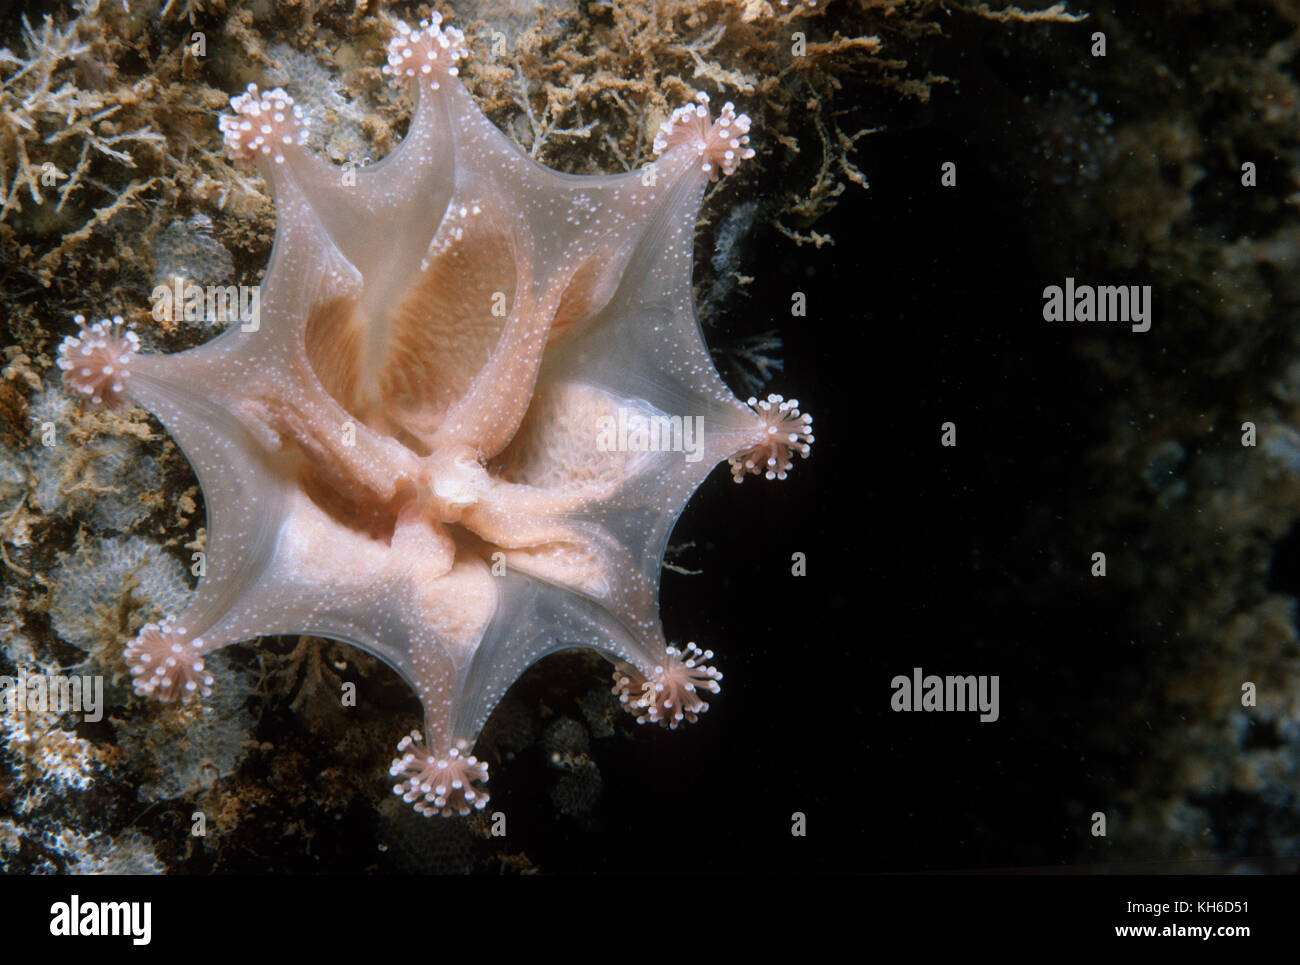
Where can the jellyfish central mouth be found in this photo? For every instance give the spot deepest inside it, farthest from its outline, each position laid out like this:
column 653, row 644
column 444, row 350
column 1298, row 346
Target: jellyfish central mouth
column 457, row 479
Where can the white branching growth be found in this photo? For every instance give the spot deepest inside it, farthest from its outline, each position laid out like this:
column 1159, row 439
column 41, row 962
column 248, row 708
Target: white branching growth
column 190, row 9
column 41, row 107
